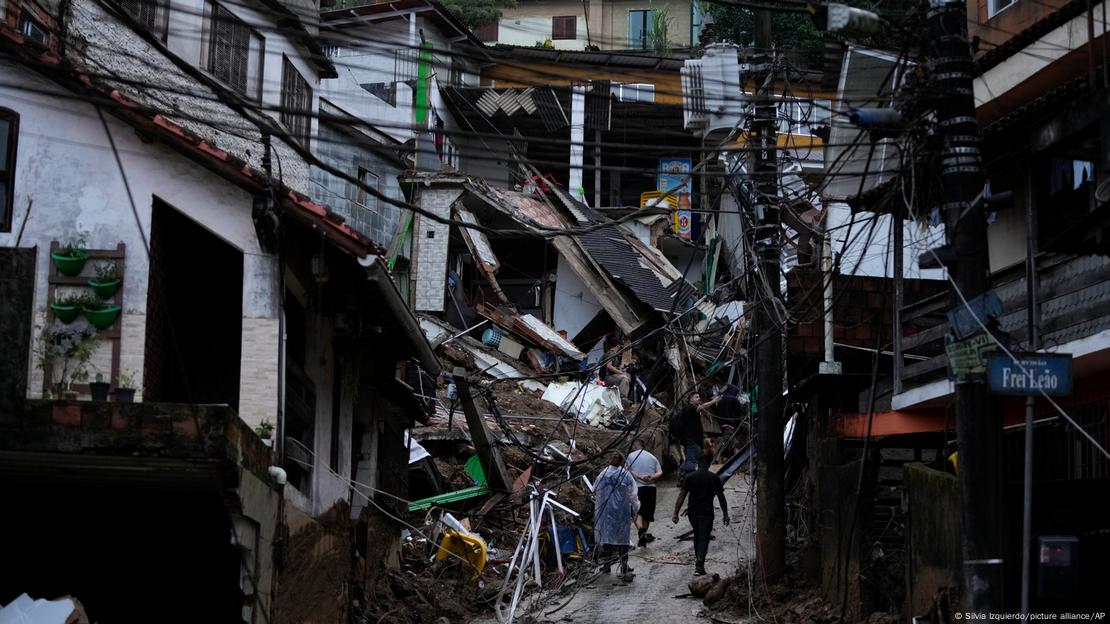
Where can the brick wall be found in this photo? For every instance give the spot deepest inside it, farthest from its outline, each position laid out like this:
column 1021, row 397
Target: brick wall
column 430, row 248
column 258, row 377
column 863, row 312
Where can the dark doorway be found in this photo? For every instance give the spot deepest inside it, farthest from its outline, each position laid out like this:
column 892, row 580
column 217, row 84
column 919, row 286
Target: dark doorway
column 129, row 554
column 194, row 313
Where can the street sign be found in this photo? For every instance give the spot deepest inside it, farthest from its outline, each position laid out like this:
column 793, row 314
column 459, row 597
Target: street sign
column 962, row 321
column 967, row 359
column 1047, row 372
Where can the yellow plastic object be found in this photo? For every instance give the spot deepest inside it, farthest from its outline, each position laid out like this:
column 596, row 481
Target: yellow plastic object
column 648, row 196
column 470, row 547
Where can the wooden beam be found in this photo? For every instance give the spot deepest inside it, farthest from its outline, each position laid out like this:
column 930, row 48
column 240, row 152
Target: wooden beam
column 488, row 455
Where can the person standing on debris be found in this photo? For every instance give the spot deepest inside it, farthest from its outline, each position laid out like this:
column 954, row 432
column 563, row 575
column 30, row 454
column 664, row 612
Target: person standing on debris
column 615, row 502
column 690, row 433
column 701, row 486
column 646, row 469
column 615, row 374
column 727, row 403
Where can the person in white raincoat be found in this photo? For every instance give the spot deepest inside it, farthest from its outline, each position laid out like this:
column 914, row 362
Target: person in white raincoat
column 615, row 502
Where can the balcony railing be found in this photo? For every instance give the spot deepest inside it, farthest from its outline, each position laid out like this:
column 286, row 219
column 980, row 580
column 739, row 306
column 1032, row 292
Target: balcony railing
column 1074, row 297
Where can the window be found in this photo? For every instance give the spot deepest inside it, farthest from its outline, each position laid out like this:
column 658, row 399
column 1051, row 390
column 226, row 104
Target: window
column 296, row 102
column 9, row 137
column 487, row 33
column 695, row 23
column 33, row 30
column 150, row 13
column 361, row 196
column 639, row 29
column 564, row 27
column 994, row 7
column 633, row 92
column 234, row 52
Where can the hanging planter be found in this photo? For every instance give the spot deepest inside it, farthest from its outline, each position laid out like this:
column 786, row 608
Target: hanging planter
column 68, row 306
column 106, row 281
column 101, row 316
column 71, row 258
column 65, row 313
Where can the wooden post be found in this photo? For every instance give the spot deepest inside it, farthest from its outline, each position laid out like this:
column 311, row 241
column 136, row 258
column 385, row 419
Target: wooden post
column 496, row 476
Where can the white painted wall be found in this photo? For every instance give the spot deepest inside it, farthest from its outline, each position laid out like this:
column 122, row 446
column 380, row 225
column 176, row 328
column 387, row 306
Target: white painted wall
column 575, row 305
column 872, row 256
column 66, row 173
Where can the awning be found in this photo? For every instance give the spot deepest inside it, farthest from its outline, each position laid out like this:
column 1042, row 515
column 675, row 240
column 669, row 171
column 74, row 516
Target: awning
column 854, row 425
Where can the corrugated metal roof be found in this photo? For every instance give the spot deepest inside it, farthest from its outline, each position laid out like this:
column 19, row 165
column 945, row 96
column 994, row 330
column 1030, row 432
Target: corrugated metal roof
column 611, row 248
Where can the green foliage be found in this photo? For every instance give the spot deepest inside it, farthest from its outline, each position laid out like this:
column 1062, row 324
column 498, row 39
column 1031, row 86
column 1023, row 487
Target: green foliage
column 798, row 31
column 265, row 429
column 659, row 37
column 107, row 272
column 72, row 347
column 75, row 247
column 127, row 379
column 73, row 299
column 474, row 13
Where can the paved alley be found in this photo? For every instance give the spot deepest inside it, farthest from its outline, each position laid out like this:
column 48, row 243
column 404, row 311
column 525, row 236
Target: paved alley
column 662, row 569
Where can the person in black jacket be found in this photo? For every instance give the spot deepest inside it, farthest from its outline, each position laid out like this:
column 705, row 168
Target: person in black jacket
column 691, row 434
column 701, row 486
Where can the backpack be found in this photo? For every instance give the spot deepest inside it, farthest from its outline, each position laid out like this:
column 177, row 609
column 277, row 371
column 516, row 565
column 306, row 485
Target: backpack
column 675, row 425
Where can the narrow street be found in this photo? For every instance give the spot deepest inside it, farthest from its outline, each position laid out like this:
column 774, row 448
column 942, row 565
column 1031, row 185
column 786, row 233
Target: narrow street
column 663, row 568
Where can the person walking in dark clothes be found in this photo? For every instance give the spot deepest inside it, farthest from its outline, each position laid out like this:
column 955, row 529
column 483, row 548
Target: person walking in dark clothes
column 701, row 486
column 691, row 434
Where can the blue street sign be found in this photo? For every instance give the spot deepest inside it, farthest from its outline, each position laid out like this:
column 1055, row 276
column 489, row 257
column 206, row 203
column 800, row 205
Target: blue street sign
column 962, row 320
column 1048, row 372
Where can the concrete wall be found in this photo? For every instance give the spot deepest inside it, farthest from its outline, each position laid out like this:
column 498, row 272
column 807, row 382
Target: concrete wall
column 530, row 22
column 375, row 218
column 260, row 504
column 67, row 175
column 933, row 557
column 575, row 305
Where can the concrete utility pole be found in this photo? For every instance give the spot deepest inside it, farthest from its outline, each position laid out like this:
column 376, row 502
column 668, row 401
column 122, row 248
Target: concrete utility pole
column 770, row 466
column 978, row 427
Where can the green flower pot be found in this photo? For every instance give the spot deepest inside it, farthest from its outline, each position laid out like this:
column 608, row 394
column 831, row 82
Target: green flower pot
column 103, row 318
column 104, row 290
column 65, row 314
column 69, row 265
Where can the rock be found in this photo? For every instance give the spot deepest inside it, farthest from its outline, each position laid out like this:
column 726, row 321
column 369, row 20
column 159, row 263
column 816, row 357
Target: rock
column 716, row 592
column 702, row 584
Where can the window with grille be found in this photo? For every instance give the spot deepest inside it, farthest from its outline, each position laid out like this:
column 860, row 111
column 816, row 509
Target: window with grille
column 564, row 27
column 150, row 13
column 296, row 102
column 234, row 52
column 9, row 137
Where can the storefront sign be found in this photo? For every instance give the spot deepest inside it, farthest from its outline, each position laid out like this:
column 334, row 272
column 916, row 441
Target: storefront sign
column 673, row 177
column 1031, row 374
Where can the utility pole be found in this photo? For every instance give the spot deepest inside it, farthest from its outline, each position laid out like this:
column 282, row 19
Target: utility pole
column 978, row 427
column 770, row 466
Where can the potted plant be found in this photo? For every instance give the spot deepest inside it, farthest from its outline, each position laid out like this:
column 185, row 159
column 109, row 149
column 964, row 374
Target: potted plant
column 72, row 348
column 99, row 388
column 66, row 307
column 265, row 430
column 106, row 281
column 125, row 387
column 70, row 259
column 100, row 314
